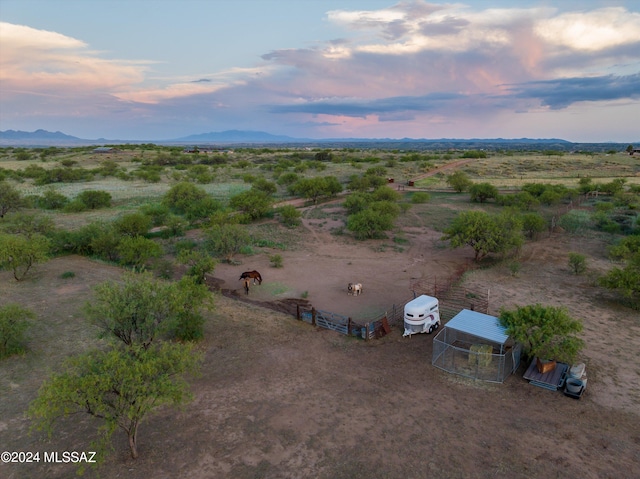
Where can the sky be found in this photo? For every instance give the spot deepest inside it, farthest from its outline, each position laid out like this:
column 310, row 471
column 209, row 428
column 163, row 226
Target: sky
column 165, row 69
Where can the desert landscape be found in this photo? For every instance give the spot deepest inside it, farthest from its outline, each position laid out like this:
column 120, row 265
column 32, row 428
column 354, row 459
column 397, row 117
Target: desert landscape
column 278, row 398
column 213, row 215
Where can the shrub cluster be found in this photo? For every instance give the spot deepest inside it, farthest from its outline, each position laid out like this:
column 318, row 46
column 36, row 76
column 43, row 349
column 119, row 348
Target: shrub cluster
column 371, row 214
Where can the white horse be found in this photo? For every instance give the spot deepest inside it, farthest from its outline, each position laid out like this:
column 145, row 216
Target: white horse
column 354, row 289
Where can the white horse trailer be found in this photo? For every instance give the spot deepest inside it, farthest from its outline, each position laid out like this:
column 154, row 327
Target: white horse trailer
column 421, row 315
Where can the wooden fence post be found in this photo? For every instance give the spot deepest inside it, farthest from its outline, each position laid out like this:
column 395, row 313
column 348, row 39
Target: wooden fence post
column 349, row 326
column 366, row 336
column 298, row 317
column 488, row 293
column 313, row 316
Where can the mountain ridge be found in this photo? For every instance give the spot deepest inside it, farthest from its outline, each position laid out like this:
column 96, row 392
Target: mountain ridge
column 44, row 137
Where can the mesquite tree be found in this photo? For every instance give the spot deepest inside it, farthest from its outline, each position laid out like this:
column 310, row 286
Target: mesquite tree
column 120, row 387
column 547, row 332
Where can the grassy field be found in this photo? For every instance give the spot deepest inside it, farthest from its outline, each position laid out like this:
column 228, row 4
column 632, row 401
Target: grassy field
column 135, row 176
column 506, row 171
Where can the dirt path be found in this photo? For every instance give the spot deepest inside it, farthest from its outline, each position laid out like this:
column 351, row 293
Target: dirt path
column 304, row 203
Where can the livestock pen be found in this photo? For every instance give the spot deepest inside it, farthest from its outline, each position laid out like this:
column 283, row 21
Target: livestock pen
column 476, row 346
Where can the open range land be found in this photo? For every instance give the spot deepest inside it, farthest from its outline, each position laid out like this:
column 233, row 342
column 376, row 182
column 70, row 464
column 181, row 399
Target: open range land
column 278, row 398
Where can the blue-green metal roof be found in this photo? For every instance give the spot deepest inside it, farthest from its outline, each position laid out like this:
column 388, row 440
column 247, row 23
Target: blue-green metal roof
column 480, row 325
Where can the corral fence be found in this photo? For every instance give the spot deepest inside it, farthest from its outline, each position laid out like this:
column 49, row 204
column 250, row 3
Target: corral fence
column 452, row 299
column 344, row 324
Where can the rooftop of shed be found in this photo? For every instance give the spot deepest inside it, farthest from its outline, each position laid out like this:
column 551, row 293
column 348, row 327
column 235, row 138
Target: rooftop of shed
column 480, row 325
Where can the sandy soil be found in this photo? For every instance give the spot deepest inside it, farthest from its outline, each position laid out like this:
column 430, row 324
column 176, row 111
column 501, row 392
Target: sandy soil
column 323, row 271
column 280, row 399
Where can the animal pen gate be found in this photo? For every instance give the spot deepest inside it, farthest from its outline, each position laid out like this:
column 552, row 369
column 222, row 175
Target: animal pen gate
column 343, row 324
column 476, row 346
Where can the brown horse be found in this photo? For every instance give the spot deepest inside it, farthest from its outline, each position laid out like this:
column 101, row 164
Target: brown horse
column 253, row 275
column 246, row 282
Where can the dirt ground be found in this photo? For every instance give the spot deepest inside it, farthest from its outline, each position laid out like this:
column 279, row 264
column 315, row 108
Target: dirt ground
column 322, row 271
column 278, row 398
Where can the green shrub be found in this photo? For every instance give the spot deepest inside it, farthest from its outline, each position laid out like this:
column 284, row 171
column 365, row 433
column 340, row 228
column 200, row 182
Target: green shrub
column 199, row 264
column 176, row 226
column 380, row 171
column 226, row 240
column 369, row 224
column 94, row 199
column 474, row 154
column 459, row 181
column 202, row 209
column 77, row 241
column 384, row 193
column 68, row 275
column 385, row 208
column 133, row 224
column 522, row 200
column 149, row 173
column 533, row 224
column 546, row 332
column 185, row 245
column 28, row 225
column 625, row 248
column 75, row 206
column 550, row 197
column 14, row 322
column 356, row 202
column 105, row 242
column 481, row 192
column 514, row 268
column 33, row 171
column 577, row 263
column 268, row 187
column 52, row 200
column 604, row 223
column 108, row 168
column 276, row 260
column 19, row 253
column 287, row 179
column 136, row 251
column 290, row 215
column 182, row 196
column 22, row 154
column 420, row 197
column 157, row 212
column 316, row 188
column 253, row 204
column 359, row 183
column 163, row 268
column 62, row 175
column 575, row 221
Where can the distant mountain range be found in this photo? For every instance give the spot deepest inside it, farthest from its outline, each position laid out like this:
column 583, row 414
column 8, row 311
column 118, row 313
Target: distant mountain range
column 35, row 135
column 239, row 137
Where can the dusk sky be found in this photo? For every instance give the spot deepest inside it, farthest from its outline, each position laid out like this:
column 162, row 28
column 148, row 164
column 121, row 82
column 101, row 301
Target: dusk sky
column 163, row 69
